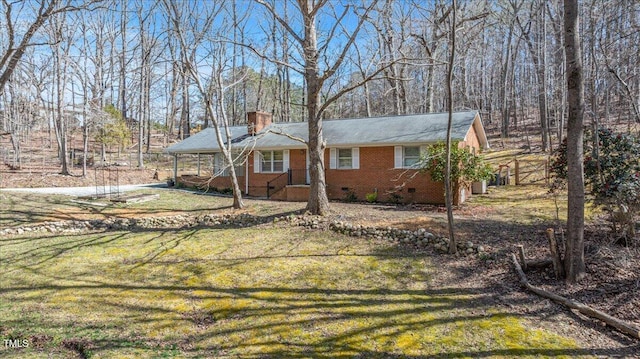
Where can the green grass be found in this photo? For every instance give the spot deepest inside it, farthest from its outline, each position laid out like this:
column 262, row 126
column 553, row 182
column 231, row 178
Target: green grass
column 19, row 209
column 249, row 293
column 523, row 204
column 527, row 205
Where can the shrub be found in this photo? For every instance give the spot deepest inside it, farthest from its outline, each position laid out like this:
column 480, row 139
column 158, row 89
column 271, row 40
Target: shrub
column 372, row 197
column 227, row 190
column 612, row 175
column 350, row 196
column 395, row 198
column 469, row 168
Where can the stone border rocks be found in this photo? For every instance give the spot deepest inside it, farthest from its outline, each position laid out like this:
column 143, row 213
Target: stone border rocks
column 421, row 237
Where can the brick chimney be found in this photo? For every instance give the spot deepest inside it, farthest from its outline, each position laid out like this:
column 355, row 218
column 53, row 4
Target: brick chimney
column 256, row 121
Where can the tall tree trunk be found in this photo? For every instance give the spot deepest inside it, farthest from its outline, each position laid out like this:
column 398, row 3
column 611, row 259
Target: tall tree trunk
column 85, row 103
column 147, row 113
column 141, row 95
column 430, row 96
column 448, row 190
column 60, row 83
column 503, row 88
column 537, row 51
column 318, row 201
column 185, row 125
column 123, row 63
column 574, row 252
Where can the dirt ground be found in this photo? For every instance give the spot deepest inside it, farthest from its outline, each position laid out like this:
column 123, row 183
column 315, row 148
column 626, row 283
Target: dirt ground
column 50, row 178
column 612, row 283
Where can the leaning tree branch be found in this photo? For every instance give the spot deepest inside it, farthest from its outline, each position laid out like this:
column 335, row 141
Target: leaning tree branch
column 291, row 137
column 618, row 324
column 282, row 22
column 265, row 57
column 627, row 90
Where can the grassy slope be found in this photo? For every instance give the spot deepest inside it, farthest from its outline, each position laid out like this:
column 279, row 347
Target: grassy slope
column 20, row 209
column 244, row 293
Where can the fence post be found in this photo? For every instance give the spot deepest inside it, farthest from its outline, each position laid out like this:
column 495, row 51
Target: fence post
column 517, row 169
column 546, row 171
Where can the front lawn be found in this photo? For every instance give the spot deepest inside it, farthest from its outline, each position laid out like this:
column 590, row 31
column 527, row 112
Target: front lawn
column 264, row 291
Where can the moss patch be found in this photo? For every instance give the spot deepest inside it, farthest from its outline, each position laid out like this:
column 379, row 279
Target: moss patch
column 251, row 292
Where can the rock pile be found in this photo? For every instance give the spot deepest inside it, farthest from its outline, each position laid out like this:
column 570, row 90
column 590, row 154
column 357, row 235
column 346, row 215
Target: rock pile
column 420, row 237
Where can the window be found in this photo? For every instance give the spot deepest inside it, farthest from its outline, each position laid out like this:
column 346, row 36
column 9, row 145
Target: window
column 410, row 156
column 272, row 161
column 344, row 158
column 407, row 156
column 221, row 166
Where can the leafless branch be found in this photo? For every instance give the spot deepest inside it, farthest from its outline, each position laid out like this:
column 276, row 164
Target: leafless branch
column 291, row 137
column 285, row 24
column 347, row 46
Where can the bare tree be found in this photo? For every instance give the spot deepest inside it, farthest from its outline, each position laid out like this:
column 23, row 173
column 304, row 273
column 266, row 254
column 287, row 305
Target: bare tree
column 205, row 60
column 172, row 66
column 147, row 45
column 314, row 54
column 429, row 38
column 37, row 13
column 61, row 37
column 453, row 248
column 534, row 35
column 391, row 39
column 574, row 253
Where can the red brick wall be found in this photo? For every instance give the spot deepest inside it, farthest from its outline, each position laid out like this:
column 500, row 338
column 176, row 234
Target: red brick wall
column 377, row 172
column 256, row 121
column 258, row 181
column 472, row 139
column 225, row 182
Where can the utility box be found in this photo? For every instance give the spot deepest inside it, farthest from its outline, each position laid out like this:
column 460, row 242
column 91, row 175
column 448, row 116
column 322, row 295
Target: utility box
column 479, row 187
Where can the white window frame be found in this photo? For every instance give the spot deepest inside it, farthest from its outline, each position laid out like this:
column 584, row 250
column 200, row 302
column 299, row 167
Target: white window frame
column 259, row 163
column 414, row 159
column 335, row 156
column 345, row 158
column 400, row 156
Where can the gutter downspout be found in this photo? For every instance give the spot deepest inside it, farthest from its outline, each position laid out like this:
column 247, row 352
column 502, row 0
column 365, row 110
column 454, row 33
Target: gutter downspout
column 246, row 176
column 198, row 164
column 175, row 168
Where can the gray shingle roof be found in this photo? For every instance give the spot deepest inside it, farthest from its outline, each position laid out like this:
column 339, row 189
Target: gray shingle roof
column 375, row 131
column 204, row 141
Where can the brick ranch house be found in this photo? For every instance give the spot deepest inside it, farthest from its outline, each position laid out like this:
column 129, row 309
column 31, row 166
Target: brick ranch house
column 363, row 155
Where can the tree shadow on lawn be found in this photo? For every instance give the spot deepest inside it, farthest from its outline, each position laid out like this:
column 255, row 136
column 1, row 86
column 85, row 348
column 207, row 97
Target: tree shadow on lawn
column 283, row 307
column 49, row 251
column 278, row 310
column 371, row 315
column 29, row 209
